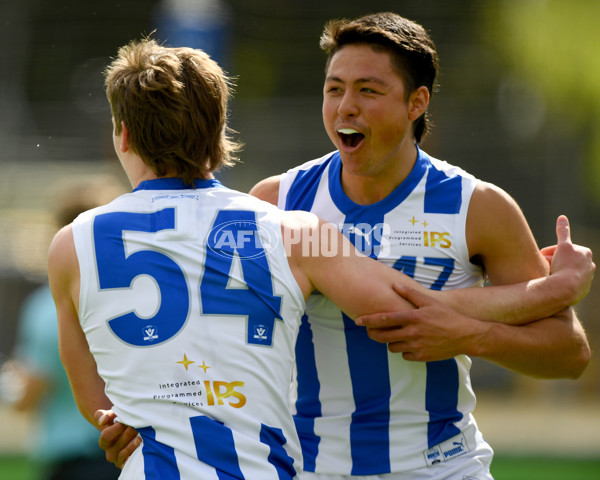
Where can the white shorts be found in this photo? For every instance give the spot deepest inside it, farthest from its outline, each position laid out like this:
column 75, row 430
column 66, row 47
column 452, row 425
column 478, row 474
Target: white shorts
column 474, row 465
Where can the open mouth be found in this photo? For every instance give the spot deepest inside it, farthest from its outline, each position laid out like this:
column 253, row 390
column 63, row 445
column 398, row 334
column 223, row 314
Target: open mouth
column 350, row 137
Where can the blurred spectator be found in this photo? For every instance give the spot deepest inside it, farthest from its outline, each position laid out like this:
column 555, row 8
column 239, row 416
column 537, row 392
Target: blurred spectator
column 203, row 24
column 65, row 446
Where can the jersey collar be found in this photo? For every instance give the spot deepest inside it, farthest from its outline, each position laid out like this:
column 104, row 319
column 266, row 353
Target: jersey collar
column 347, row 206
column 172, row 183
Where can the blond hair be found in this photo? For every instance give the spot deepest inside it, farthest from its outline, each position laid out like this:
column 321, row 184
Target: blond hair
column 174, row 103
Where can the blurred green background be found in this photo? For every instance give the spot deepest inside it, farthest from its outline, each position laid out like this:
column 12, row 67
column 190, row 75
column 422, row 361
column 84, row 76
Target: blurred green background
column 518, row 105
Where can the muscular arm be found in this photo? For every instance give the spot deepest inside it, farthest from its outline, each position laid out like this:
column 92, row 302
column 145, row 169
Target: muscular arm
column 498, row 234
column 529, row 296
column 63, row 272
column 554, row 347
column 572, row 271
column 434, row 331
column 322, row 259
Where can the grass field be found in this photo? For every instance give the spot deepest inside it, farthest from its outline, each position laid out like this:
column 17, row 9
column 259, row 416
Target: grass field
column 503, row 468
column 523, row 468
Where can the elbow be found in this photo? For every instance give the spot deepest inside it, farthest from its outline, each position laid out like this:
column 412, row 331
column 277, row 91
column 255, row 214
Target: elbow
column 581, row 362
column 578, row 353
column 573, row 364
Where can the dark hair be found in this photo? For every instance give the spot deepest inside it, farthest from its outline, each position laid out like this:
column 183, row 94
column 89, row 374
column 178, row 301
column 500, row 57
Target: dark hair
column 174, row 102
column 412, row 51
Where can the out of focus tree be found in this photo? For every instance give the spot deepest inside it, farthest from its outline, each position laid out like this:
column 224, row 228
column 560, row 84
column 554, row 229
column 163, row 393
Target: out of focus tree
column 553, row 46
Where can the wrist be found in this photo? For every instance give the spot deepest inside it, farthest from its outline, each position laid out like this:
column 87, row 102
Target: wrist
column 479, row 339
column 489, row 341
column 564, row 287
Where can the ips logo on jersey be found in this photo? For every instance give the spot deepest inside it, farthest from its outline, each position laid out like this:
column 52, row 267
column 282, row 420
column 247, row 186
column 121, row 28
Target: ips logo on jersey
column 261, row 333
column 150, row 333
column 437, row 239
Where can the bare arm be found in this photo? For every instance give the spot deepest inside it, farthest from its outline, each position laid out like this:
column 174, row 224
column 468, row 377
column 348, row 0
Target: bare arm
column 498, row 233
column 554, row 347
column 526, row 299
column 420, row 335
column 572, row 271
column 267, row 189
column 434, row 331
column 521, row 303
column 63, row 272
column 322, row 259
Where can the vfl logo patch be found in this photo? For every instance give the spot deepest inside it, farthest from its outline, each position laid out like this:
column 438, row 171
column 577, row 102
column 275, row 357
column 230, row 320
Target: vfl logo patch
column 150, row 333
column 260, row 332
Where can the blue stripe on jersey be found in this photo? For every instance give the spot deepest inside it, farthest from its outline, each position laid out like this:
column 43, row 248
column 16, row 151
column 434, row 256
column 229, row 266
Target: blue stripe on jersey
column 301, row 194
column 441, row 390
column 369, row 429
column 446, row 196
column 308, row 405
column 441, row 400
column 279, row 458
column 215, row 446
column 159, row 459
column 369, row 375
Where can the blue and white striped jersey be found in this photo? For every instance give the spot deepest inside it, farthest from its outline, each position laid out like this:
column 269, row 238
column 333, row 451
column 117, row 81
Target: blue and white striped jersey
column 191, row 312
column 359, row 409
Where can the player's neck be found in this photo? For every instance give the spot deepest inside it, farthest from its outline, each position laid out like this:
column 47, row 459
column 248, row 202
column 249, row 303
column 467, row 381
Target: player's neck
column 139, row 175
column 367, row 188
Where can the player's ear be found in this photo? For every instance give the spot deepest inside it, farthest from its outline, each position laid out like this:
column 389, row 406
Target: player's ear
column 418, row 102
column 125, row 138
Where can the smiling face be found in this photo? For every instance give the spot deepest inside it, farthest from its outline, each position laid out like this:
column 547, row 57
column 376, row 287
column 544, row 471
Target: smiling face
column 368, row 114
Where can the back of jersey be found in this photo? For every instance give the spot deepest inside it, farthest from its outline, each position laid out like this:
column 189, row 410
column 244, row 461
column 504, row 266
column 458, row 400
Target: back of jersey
column 191, row 312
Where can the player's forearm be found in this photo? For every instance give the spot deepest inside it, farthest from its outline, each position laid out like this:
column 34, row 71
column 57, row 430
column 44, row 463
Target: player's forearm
column 555, row 347
column 515, row 304
column 88, row 407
